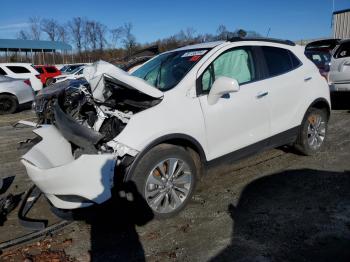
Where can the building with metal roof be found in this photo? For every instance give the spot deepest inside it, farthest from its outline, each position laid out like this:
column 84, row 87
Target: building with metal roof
column 33, row 50
column 341, row 24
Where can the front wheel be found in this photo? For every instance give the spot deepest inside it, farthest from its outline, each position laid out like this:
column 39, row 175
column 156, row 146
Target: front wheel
column 166, row 178
column 313, row 132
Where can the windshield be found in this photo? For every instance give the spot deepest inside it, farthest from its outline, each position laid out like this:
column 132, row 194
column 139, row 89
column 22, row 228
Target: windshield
column 167, row 70
column 75, row 70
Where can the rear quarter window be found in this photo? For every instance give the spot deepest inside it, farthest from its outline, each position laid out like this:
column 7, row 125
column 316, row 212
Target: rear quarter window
column 40, row 70
column 279, row 60
column 2, row 72
column 18, row 69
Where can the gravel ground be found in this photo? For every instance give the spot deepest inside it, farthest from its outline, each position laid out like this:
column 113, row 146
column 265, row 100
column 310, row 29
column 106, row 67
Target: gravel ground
column 276, row 206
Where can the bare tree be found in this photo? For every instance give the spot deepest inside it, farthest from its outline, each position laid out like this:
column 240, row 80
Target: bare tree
column 35, row 29
column 222, row 32
column 63, row 33
column 190, row 33
column 117, row 34
column 23, row 35
column 76, row 28
column 129, row 39
column 101, row 31
column 50, row 27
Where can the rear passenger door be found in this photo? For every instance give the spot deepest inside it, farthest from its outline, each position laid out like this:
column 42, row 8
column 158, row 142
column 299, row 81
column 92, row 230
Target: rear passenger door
column 340, row 67
column 284, row 82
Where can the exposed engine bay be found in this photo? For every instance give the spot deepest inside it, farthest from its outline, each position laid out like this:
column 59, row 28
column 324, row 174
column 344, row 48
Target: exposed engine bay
column 90, row 112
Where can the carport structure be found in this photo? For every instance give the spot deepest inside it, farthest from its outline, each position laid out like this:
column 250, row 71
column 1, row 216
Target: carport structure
column 17, row 50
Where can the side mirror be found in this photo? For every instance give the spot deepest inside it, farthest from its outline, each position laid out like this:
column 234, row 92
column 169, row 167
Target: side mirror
column 221, row 86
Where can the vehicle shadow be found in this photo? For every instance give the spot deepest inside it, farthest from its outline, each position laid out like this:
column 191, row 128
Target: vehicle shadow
column 297, row 215
column 340, row 100
column 113, row 232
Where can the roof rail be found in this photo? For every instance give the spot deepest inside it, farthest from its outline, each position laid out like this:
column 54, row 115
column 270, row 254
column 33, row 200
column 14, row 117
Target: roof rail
column 263, row 39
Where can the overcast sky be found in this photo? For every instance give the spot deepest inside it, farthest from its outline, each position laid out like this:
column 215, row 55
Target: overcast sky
column 297, row 19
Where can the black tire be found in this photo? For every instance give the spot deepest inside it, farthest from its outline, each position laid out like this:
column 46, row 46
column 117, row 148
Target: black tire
column 150, row 160
column 8, row 104
column 49, row 81
column 302, row 143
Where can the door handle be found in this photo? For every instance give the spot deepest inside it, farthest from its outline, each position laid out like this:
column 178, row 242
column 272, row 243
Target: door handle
column 347, row 63
column 308, row 79
column 262, row 94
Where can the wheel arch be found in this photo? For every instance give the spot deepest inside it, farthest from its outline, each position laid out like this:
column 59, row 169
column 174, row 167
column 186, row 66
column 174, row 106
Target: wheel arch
column 9, row 94
column 321, row 103
column 183, row 140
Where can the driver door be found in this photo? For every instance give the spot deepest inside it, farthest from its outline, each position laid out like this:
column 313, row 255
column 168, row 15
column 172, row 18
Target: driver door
column 340, row 68
column 238, row 119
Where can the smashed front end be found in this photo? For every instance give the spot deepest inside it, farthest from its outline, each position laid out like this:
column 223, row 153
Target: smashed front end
column 74, row 162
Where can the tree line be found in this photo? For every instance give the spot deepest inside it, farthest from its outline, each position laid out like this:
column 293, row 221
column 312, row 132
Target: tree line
column 93, row 40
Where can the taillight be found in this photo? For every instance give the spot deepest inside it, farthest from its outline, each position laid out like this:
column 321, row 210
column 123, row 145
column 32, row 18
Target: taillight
column 37, row 76
column 27, row 81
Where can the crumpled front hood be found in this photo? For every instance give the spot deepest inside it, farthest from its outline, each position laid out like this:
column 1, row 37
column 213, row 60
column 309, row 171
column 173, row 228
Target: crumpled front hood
column 95, row 73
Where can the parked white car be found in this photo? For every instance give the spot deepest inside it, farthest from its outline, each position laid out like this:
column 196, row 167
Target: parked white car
column 75, row 74
column 178, row 113
column 22, row 71
column 14, row 93
column 339, row 74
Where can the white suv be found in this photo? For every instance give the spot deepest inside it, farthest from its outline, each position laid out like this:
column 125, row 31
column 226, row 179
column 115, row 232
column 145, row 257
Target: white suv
column 185, row 109
column 22, row 71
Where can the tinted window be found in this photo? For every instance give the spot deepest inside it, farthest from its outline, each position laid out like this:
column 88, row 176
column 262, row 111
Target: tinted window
column 236, row 63
column 278, row 60
column 40, row 70
column 295, row 61
column 50, row 69
column 2, row 72
column 18, row 69
column 343, row 50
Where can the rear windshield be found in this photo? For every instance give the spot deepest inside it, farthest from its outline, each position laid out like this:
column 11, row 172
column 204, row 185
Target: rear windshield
column 167, row 70
column 50, row 69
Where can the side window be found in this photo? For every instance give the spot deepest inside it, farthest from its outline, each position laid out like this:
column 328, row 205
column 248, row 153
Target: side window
column 343, row 50
column 236, row 63
column 40, row 70
column 278, row 60
column 2, row 72
column 18, row 69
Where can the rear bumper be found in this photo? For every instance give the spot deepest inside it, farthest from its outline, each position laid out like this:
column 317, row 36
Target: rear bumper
column 68, row 183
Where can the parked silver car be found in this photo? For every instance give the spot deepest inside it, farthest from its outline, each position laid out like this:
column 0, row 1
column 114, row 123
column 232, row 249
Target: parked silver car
column 339, row 75
column 14, row 93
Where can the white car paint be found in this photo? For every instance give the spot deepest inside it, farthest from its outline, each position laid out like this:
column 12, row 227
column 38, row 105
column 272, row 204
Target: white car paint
column 45, row 165
column 17, row 87
column 258, row 110
column 31, row 75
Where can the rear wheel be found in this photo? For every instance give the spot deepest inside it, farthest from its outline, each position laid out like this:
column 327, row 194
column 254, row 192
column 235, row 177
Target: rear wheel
column 166, row 177
column 313, row 132
column 8, row 104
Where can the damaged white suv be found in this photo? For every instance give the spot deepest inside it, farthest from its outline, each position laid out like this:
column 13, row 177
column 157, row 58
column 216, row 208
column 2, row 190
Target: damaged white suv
column 163, row 124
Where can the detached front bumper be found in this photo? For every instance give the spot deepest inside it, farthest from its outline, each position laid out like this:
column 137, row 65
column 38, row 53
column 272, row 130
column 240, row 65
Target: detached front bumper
column 68, row 183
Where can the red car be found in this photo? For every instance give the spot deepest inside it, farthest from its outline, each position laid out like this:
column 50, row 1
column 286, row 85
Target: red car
column 47, row 73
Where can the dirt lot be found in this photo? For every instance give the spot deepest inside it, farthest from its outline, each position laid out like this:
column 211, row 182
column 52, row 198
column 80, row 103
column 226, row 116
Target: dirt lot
column 277, row 206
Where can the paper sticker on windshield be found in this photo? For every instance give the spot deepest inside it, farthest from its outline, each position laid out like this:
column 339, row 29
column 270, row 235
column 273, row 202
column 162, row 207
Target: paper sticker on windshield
column 194, row 53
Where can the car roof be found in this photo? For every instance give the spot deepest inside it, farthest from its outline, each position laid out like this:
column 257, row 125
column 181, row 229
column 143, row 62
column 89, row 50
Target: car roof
column 16, row 64
column 200, row 46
